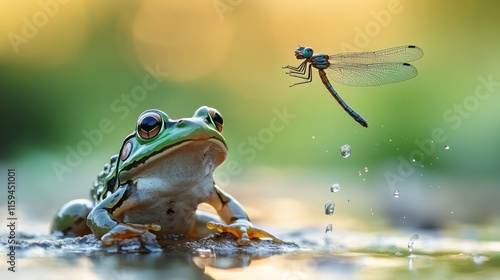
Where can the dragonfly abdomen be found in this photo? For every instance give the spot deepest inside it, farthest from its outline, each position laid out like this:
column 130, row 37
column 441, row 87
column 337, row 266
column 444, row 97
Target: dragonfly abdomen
column 344, row 105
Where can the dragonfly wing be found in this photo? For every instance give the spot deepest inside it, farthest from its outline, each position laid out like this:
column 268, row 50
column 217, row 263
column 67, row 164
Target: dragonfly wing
column 396, row 54
column 352, row 74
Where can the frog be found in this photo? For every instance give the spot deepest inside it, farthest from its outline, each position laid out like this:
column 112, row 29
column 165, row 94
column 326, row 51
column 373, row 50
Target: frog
column 154, row 185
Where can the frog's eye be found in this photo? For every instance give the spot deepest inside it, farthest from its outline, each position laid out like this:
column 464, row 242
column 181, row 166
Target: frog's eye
column 149, row 125
column 216, row 118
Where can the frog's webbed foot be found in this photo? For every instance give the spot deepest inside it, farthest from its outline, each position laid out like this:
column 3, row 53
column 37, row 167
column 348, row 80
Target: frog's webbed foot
column 123, row 231
column 244, row 231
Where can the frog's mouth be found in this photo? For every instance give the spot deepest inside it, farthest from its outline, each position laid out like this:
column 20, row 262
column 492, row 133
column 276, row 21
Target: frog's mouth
column 212, row 149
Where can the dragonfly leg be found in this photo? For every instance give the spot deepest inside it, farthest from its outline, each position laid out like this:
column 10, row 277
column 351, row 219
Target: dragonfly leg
column 296, row 70
column 307, row 79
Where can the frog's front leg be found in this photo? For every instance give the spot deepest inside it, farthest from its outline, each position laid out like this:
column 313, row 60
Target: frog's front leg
column 103, row 224
column 237, row 221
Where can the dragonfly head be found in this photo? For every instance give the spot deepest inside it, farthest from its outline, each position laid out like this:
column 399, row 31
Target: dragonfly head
column 303, row 52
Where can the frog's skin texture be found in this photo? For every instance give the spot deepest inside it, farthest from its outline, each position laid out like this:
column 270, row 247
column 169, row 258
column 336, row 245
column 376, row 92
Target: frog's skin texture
column 155, row 184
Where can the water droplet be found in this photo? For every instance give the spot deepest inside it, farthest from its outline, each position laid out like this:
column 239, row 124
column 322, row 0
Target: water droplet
column 366, row 169
column 335, row 187
column 345, row 151
column 413, row 160
column 478, row 259
column 359, row 173
column 313, row 137
column 329, row 228
column 411, row 241
column 329, row 208
column 396, row 194
column 446, row 147
column 348, row 201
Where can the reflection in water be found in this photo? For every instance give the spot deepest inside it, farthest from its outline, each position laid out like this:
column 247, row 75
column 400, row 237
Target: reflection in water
column 338, row 255
column 147, row 266
column 410, row 262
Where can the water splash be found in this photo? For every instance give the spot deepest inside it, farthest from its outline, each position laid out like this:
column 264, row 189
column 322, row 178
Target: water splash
column 412, row 241
column 345, row 151
column 396, row 194
column 335, row 188
column 329, row 228
column 329, row 208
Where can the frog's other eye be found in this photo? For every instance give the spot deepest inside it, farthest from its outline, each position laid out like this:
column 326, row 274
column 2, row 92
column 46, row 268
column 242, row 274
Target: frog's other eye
column 149, row 125
column 126, row 150
column 216, row 118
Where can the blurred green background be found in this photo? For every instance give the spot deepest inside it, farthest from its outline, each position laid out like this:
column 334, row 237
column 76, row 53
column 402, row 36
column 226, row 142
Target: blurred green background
column 67, row 66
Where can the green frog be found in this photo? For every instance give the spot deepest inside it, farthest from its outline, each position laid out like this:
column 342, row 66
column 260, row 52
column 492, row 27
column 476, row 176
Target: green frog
column 155, row 184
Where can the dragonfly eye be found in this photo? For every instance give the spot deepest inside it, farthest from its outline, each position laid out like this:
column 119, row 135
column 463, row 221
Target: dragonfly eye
column 307, row 52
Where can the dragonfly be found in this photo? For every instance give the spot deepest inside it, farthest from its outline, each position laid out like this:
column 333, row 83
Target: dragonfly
column 357, row 69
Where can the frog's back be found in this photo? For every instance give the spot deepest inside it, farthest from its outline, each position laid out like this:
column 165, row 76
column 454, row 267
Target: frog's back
column 106, row 181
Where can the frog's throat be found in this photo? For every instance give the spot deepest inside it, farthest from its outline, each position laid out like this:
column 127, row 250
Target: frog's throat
column 139, row 165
